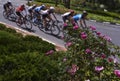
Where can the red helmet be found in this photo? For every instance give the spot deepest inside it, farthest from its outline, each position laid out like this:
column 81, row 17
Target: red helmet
column 72, row 11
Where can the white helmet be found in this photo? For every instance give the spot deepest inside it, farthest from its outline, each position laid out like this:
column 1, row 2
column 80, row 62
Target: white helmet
column 9, row 1
column 52, row 8
column 43, row 6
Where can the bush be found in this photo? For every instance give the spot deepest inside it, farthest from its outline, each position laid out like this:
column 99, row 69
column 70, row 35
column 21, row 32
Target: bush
column 90, row 56
column 2, row 27
column 27, row 67
column 12, row 42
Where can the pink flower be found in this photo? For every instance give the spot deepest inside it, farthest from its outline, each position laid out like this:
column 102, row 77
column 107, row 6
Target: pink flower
column 62, row 37
column 50, row 52
column 110, row 59
column 73, row 69
column 83, row 35
column 88, row 51
column 68, row 44
column 115, row 60
column 117, row 73
column 64, row 60
column 93, row 27
column 98, row 33
column 65, row 24
column 103, row 56
column 99, row 68
column 107, row 38
column 75, row 27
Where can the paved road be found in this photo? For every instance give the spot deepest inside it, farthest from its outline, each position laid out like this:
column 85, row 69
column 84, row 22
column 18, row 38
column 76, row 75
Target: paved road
column 111, row 30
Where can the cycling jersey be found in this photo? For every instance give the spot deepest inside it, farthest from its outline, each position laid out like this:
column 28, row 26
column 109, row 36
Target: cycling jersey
column 20, row 9
column 37, row 9
column 66, row 14
column 30, row 7
column 77, row 17
column 45, row 13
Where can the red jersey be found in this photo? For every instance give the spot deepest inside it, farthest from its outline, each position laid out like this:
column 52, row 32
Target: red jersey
column 19, row 9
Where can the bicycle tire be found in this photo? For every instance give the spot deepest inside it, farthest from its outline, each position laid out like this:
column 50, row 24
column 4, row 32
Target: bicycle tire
column 18, row 22
column 40, row 26
column 4, row 14
column 28, row 24
column 12, row 17
column 55, row 30
column 66, row 35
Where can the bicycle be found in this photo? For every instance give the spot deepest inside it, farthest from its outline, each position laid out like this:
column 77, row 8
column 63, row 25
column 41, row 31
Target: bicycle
column 51, row 26
column 10, row 15
column 25, row 21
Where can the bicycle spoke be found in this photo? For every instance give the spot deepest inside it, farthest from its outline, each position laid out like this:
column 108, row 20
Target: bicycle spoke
column 28, row 24
column 19, row 22
column 5, row 14
column 55, row 30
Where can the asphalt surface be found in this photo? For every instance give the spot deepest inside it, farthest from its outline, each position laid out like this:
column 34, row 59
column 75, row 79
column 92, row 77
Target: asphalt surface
column 110, row 30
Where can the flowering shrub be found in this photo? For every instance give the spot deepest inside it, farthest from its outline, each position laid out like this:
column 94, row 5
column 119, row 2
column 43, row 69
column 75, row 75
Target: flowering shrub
column 91, row 57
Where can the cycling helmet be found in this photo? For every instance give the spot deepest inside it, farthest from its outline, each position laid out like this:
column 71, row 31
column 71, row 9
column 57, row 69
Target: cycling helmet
column 72, row 11
column 34, row 5
column 43, row 6
column 9, row 2
column 52, row 8
column 22, row 5
column 85, row 12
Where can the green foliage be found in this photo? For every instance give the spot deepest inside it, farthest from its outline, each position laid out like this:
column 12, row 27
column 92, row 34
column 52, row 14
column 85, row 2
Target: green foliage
column 27, row 67
column 46, row 1
column 12, row 42
column 24, row 59
column 2, row 27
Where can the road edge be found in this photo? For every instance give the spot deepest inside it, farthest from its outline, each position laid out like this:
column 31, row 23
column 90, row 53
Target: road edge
column 24, row 32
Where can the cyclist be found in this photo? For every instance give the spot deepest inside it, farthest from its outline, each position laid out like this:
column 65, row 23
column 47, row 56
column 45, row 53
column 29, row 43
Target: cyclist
column 47, row 14
column 81, row 18
column 19, row 11
column 67, row 16
column 37, row 11
column 7, row 6
column 31, row 9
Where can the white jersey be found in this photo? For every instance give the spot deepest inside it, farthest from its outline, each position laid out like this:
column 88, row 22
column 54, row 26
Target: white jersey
column 43, row 12
column 66, row 14
column 30, row 7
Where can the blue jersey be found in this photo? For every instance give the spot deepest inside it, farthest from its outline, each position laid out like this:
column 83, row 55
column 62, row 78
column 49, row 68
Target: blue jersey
column 77, row 17
column 37, row 9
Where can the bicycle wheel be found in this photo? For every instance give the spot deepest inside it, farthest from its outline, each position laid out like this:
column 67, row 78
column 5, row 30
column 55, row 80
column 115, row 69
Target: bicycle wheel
column 40, row 26
column 12, row 17
column 66, row 35
column 5, row 14
column 55, row 30
column 28, row 24
column 18, row 22
column 29, row 17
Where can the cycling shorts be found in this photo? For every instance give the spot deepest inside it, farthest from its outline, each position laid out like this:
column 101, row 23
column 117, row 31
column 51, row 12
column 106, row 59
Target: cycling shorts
column 19, row 14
